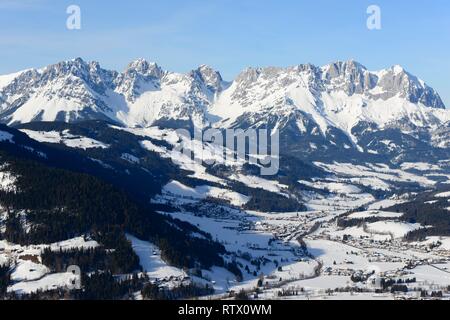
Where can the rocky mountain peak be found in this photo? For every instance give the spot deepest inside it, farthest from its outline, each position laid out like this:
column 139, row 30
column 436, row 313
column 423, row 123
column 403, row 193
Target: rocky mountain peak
column 143, row 67
column 210, row 77
column 343, row 69
column 348, row 76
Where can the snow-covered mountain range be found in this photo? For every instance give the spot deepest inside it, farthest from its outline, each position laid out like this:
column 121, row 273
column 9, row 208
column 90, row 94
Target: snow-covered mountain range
column 341, row 105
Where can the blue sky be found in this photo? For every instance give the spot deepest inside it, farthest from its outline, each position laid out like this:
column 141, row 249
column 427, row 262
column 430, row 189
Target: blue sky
column 230, row 34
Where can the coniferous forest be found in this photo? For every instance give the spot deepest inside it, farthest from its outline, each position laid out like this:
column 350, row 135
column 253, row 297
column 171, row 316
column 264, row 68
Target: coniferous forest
column 59, row 205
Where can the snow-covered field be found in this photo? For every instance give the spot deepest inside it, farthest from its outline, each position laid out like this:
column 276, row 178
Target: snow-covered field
column 338, row 202
column 28, row 271
column 396, row 229
column 433, row 274
column 151, row 261
column 378, row 176
column 331, row 186
column 420, row 166
column 371, row 214
column 337, row 255
column 258, row 182
column 360, row 232
column 443, row 195
column 287, row 250
column 66, row 138
column 372, row 247
column 386, row 203
column 29, row 274
column 175, row 188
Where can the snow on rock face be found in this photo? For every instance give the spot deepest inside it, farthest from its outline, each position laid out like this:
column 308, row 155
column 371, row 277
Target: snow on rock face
column 76, row 90
column 140, row 76
column 211, row 78
column 353, row 78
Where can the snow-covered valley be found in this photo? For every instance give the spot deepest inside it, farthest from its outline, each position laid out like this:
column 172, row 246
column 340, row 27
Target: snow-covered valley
column 357, row 210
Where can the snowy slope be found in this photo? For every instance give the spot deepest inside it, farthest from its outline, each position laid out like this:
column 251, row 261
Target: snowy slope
column 397, row 229
column 151, row 261
column 175, row 188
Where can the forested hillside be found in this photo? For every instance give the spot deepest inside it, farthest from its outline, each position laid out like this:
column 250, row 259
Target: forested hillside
column 50, row 204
